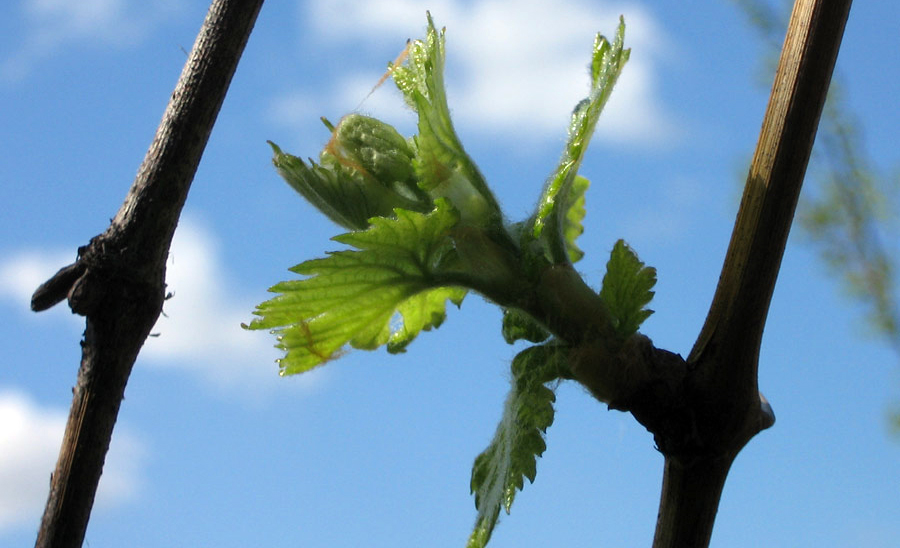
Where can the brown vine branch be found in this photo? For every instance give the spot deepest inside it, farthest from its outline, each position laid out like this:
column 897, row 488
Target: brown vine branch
column 727, row 349
column 118, row 280
column 723, row 365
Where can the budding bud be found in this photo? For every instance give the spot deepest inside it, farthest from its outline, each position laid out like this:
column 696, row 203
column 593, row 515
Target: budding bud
column 373, row 148
column 366, row 171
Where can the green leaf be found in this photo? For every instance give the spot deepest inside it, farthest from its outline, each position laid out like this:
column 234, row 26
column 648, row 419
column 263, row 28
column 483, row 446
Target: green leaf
column 422, row 312
column 574, row 208
column 443, row 167
column 501, row 469
column 627, row 289
column 550, row 220
column 518, row 325
column 351, row 297
column 343, row 195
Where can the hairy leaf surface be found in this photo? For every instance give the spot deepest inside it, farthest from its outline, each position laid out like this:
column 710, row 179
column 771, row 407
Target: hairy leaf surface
column 500, row 471
column 607, row 63
column 627, row 289
column 335, row 192
column 518, row 325
column 443, row 167
column 351, row 297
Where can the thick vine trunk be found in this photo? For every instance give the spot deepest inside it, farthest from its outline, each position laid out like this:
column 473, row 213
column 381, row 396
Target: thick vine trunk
column 118, row 281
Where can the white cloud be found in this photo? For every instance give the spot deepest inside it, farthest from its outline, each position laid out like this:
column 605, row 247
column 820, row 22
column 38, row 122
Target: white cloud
column 20, row 276
column 50, row 25
column 30, row 437
column 25, row 271
column 200, row 329
column 514, row 68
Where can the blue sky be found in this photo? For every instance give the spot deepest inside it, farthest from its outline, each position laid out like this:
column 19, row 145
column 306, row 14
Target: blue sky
column 213, row 448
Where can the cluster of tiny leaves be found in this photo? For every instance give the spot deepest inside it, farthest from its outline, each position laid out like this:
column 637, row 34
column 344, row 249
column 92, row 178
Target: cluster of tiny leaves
column 411, row 210
column 500, row 471
column 350, row 297
column 627, row 289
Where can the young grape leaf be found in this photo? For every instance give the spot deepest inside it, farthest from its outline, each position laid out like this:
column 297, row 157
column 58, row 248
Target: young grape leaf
column 518, row 325
column 351, row 297
column 443, row 167
column 574, row 208
column 341, row 194
column 500, row 470
column 626, row 289
column 420, row 313
column 607, row 63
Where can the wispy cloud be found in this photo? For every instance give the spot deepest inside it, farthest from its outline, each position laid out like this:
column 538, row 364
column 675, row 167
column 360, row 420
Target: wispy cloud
column 30, row 436
column 515, row 68
column 200, row 330
column 48, row 26
column 24, row 271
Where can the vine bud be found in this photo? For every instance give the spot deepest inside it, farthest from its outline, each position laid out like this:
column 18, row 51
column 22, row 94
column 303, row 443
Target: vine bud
column 376, row 154
column 366, row 171
column 373, row 148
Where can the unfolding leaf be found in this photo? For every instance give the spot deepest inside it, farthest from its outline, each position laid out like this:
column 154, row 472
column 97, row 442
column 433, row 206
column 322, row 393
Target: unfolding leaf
column 607, row 63
column 518, row 325
column 351, row 297
column 627, row 289
column 422, row 312
column 340, row 193
column 500, row 471
column 443, row 167
column 574, row 208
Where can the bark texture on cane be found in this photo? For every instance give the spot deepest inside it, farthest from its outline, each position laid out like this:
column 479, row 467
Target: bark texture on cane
column 118, row 280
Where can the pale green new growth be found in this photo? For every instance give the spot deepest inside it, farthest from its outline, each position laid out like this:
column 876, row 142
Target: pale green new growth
column 575, row 212
column 341, row 193
column 442, row 165
column 518, row 325
column 627, row 289
column 549, row 223
column 352, row 296
column 501, row 469
column 427, row 228
column 420, row 313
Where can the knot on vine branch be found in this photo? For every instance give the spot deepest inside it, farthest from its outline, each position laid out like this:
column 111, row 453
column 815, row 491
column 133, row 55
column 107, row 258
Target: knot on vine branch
column 99, row 272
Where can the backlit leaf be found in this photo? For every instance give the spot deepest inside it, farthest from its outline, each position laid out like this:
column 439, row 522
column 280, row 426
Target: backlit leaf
column 500, row 471
column 351, row 297
column 607, row 63
column 443, row 167
column 627, row 289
